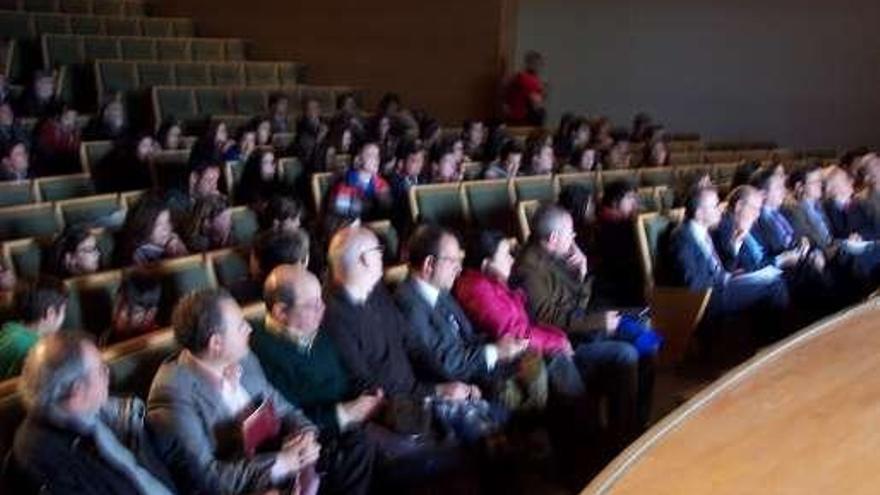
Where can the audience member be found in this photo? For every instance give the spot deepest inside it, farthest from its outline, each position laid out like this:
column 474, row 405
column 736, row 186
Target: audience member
column 127, row 166
column 148, row 234
column 201, row 395
column 209, row 225
column 260, row 180
column 281, row 214
column 362, row 191
column 310, row 131
column 56, row 147
column 656, row 152
column 508, row 164
column 847, row 218
column 74, row 252
column 474, row 138
column 15, row 164
column 617, row 155
column 75, row 437
column 870, row 195
column 302, row 362
column 169, row 136
column 10, row 128
column 111, row 123
column 39, row 98
column 573, row 137
column 445, row 166
column 279, row 105
column 135, row 307
column 212, row 146
column 618, row 270
column 583, row 159
column 538, row 157
column 40, row 307
column 270, row 249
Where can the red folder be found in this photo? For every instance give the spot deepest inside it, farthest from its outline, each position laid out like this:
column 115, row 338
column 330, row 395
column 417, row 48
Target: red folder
column 260, row 427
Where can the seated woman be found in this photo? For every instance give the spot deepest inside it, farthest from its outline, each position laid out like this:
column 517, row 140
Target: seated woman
column 56, row 149
column 575, row 136
column 260, row 180
column 618, row 275
column 111, row 123
column 148, row 234
column 10, row 128
column 617, row 155
column 74, row 252
column 363, row 185
column 341, row 140
column 656, row 151
column 135, row 308
column 169, row 135
column 582, row 160
column 15, row 164
column 473, row 136
column 213, row 145
column 539, row 158
column 209, row 225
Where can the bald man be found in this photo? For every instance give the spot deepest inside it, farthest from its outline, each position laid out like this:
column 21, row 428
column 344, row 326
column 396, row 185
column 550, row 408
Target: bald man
column 302, row 362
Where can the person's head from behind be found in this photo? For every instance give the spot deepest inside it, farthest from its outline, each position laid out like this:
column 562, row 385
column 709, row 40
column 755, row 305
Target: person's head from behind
column 553, row 228
column 276, row 248
column 64, row 375
column 368, row 159
column 311, row 108
column 210, row 325
column 279, row 104
column 149, row 222
column 281, row 214
column 745, row 203
column 75, row 252
column 137, row 304
column 293, row 298
column 838, row 185
column 621, row 196
column 435, row 256
column 773, row 186
column 702, row 207
column 169, row 135
column 410, row 158
column 534, row 62
column 44, row 86
column 539, row 154
column 16, row 159
column 41, row 305
column 355, row 257
column 579, row 202
column 511, row 157
column 489, row 252
column 204, row 179
column 211, row 219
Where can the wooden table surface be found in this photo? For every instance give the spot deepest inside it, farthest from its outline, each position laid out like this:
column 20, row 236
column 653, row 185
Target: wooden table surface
column 801, row 417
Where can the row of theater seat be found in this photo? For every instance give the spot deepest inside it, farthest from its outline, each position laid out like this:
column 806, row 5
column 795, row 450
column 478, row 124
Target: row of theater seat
column 23, row 25
column 94, row 7
column 65, row 49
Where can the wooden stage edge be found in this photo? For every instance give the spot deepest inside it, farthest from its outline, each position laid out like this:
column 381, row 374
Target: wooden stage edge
column 605, row 482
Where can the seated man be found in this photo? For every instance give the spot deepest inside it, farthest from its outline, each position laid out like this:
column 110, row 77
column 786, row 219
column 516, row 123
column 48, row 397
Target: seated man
column 201, row 396
column 302, row 362
column 376, row 343
column 695, row 264
column 270, row 249
column 75, row 439
column 40, row 308
column 553, row 272
column 618, row 270
column 438, row 322
column 15, row 162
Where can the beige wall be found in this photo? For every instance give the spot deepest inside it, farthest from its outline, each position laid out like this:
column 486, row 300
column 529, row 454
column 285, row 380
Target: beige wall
column 802, row 72
column 442, row 56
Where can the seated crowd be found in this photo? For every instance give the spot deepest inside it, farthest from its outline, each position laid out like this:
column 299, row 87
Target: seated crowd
column 347, row 385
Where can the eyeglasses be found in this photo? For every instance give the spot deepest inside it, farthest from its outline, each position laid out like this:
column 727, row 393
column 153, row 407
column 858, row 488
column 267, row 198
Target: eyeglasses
column 452, row 259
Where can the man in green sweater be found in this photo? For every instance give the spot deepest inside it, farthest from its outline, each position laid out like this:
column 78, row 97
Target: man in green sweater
column 304, row 365
column 40, row 308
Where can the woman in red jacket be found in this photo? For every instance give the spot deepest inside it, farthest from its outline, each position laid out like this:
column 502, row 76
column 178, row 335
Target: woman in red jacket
column 493, row 306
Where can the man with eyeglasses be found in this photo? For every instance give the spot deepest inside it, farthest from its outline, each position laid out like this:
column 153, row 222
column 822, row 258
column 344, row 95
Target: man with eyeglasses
column 303, row 364
column 75, row 438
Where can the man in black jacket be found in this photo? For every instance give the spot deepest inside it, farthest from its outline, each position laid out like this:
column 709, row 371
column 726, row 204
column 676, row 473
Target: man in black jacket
column 75, row 439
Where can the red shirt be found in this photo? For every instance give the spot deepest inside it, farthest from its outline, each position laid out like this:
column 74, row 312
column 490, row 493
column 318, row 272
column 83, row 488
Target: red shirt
column 523, row 85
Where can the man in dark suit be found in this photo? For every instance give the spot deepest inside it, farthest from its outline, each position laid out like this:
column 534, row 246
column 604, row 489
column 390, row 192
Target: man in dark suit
column 436, row 319
column 75, row 439
column 696, row 264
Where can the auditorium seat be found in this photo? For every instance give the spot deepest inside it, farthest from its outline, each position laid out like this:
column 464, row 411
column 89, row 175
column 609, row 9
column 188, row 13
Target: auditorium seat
column 388, row 237
column 438, row 203
column 685, row 158
column 471, row 170
column 64, row 187
column 17, row 193
column 191, row 74
column 244, row 226
column 92, row 152
column 675, row 312
column 24, row 257
column 169, row 169
column 88, row 210
column 690, row 173
column 488, row 204
column 34, row 220
column 283, row 140
column 178, row 277
column 585, row 179
column 227, row 74
column 116, row 77
column 395, row 274
column 321, row 183
column 292, row 170
column 213, row 101
column 608, row 176
column 138, row 49
column 261, row 75
column 540, row 188
column 722, row 173
column 90, row 301
column 23, row 25
column 168, row 101
column 657, row 176
column 718, row 156
column 172, row 49
column 525, row 210
column 230, row 265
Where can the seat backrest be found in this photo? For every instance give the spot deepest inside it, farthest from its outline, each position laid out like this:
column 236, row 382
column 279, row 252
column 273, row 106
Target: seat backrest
column 177, row 102
column 488, row 204
column 89, row 210
column 173, row 49
column 159, row 28
column 387, row 235
column 657, row 176
column 37, row 220
column 438, row 203
column 178, row 277
column 155, row 74
column 261, row 74
column 649, row 227
column 244, row 225
column 120, row 26
column 525, row 210
column 86, row 25
column 11, row 414
column 16, row 25
column 685, row 157
column 207, row 50
column 250, row 101
column 236, row 50
column 101, row 48
column 17, row 193
column 134, row 362
column 321, row 183
column 52, row 23
column 138, row 48
column 92, row 152
column 62, row 49
column 227, row 74
column 90, row 301
column 116, row 76
column 230, row 265
column 540, row 188
column 25, row 257
column 191, row 74
column 213, row 101
column 65, row 187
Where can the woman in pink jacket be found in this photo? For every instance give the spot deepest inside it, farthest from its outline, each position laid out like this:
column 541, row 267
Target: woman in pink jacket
column 493, row 306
